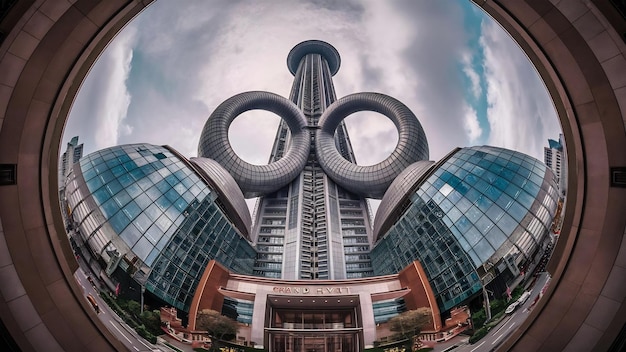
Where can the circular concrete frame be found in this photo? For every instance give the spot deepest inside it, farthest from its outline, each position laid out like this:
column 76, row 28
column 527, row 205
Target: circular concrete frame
column 50, row 44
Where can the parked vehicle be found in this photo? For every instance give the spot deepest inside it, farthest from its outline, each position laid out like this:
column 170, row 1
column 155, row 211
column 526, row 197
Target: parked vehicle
column 93, row 303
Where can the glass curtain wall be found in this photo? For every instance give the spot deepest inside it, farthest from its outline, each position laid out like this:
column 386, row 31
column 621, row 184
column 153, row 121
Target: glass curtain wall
column 482, row 207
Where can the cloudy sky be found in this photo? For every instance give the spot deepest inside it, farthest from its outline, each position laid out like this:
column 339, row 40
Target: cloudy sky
column 456, row 69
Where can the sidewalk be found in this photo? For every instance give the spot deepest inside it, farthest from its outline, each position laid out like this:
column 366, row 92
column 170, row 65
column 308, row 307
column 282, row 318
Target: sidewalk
column 181, row 346
column 451, row 344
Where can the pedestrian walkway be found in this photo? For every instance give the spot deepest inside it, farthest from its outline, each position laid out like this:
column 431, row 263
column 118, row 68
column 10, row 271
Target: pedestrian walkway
column 173, row 342
column 452, row 344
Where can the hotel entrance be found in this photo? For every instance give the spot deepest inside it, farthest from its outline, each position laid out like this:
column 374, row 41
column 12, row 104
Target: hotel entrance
column 321, row 324
column 314, row 343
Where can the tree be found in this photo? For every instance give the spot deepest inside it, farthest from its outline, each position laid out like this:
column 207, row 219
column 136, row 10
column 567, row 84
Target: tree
column 411, row 322
column 216, row 324
column 134, row 308
column 152, row 321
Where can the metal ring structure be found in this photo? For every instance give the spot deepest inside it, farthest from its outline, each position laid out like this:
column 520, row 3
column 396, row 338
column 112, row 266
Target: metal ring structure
column 256, row 180
column 370, row 181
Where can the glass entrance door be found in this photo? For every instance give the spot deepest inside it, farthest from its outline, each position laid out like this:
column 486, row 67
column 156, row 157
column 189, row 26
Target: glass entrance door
column 308, row 330
column 303, row 342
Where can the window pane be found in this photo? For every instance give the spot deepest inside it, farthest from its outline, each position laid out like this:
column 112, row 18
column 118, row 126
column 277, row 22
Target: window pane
column 119, row 221
column 110, row 207
column 496, row 237
column 484, row 250
column 130, row 235
column 473, row 236
column 507, row 224
column 142, row 248
column 132, row 210
column 122, row 198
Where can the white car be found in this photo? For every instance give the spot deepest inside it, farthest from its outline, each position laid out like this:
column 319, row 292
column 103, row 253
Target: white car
column 511, row 308
column 523, row 297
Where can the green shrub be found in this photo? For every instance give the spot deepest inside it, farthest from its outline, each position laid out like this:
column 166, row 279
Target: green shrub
column 497, row 306
column 479, row 334
column 478, row 319
column 141, row 331
column 152, row 321
column 148, row 327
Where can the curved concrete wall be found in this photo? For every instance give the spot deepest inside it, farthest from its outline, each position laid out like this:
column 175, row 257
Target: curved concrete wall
column 43, row 59
column 581, row 57
column 51, row 44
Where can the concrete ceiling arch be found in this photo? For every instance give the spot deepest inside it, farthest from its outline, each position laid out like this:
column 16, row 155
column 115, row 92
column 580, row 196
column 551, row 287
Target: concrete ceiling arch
column 49, row 45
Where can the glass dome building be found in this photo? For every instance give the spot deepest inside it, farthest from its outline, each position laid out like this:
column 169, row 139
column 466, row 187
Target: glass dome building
column 477, row 217
column 149, row 218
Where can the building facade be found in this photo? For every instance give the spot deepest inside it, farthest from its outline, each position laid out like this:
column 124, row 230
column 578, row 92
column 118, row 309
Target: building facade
column 474, row 220
column 479, row 217
column 302, row 315
column 145, row 218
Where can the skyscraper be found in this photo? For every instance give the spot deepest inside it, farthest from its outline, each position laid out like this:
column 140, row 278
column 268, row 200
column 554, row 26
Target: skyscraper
column 73, row 152
column 313, row 218
column 555, row 157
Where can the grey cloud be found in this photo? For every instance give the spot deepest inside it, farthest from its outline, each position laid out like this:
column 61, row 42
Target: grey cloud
column 520, row 114
column 204, row 53
column 433, row 59
column 353, row 7
column 372, row 76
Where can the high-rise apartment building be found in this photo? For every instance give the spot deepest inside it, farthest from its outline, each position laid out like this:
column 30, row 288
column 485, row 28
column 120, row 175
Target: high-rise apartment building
column 555, row 156
column 73, row 152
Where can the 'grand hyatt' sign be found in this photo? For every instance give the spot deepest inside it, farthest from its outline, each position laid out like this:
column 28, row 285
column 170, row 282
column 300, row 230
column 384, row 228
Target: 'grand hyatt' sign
column 321, row 291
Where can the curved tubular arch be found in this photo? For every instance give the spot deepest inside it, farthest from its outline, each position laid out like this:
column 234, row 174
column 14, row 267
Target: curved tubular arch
column 370, row 181
column 256, row 180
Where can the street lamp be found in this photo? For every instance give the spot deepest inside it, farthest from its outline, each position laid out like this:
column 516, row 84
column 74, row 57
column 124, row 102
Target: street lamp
column 487, row 266
column 143, row 289
column 487, row 304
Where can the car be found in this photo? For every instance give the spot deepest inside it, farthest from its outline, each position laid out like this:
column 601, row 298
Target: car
column 511, row 307
column 93, row 303
column 523, row 297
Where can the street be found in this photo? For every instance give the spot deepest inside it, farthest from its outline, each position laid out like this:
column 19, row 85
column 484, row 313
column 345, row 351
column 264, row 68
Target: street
column 112, row 321
column 508, row 324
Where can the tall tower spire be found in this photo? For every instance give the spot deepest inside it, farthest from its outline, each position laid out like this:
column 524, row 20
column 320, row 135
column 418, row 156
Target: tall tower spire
column 312, row 246
column 312, row 220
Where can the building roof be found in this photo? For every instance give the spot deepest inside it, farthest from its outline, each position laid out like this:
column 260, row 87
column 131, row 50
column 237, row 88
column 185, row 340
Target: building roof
column 314, row 47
